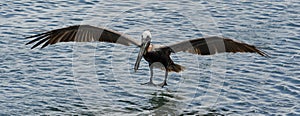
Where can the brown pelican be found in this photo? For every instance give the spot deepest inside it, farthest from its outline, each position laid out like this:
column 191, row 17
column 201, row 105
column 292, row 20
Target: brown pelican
column 155, row 55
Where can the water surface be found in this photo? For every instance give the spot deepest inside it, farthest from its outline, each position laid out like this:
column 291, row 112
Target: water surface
column 98, row 78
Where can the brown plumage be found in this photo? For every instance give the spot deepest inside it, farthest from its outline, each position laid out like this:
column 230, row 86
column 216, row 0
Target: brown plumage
column 212, row 45
column 153, row 55
column 81, row 33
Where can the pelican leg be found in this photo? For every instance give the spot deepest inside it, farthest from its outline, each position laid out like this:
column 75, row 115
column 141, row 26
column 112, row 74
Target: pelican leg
column 151, row 76
column 164, row 83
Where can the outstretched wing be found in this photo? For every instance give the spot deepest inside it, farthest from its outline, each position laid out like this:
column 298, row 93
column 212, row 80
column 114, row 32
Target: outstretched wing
column 211, row 45
column 81, row 33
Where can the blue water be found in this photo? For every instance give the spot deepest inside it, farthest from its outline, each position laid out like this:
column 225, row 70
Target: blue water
column 98, row 78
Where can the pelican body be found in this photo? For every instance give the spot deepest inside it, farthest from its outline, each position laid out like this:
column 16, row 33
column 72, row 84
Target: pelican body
column 156, row 55
column 156, row 58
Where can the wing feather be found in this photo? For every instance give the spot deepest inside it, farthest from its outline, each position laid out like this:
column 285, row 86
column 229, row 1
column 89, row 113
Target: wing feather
column 81, row 33
column 212, row 45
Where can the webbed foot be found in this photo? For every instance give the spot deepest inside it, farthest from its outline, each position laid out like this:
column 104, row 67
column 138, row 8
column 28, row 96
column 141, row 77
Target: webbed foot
column 162, row 84
column 149, row 83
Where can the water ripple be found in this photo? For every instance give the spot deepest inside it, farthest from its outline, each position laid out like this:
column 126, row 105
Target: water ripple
column 98, row 78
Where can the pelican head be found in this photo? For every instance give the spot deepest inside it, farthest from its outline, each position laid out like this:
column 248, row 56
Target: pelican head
column 146, row 36
column 146, row 39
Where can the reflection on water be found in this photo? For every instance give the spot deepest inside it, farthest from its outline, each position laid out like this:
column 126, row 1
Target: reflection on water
column 98, row 78
column 159, row 100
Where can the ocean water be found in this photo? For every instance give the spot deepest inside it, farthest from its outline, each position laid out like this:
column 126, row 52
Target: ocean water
column 98, row 78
